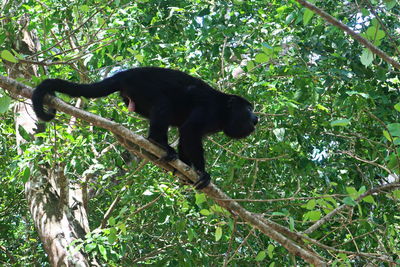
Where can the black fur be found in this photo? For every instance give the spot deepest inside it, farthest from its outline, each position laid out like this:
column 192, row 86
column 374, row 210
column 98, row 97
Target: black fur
column 167, row 98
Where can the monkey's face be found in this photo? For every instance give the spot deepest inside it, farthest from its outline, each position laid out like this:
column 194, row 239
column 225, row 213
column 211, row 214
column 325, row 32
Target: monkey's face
column 241, row 120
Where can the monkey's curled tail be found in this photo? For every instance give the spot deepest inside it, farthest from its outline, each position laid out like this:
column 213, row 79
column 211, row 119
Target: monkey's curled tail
column 49, row 86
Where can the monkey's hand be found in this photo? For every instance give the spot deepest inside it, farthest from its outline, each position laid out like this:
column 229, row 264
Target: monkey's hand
column 171, row 155
column 203, row 181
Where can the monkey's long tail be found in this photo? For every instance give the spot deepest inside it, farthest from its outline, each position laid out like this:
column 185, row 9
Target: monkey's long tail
column 49, row 86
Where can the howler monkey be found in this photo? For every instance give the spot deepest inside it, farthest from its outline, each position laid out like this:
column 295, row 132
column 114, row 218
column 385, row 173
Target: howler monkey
column 167, row 98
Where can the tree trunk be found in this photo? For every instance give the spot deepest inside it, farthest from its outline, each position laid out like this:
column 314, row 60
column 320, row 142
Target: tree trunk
column 57, row 207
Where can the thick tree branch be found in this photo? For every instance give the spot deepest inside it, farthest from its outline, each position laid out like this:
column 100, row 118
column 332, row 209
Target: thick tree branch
column 353, row 34
column 142, row 147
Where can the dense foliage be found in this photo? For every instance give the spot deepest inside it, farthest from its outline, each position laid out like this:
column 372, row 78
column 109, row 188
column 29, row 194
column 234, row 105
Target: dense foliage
column 329, row 128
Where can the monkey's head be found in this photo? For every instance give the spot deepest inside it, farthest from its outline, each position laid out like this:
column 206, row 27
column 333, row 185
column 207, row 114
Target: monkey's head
column 241, row 120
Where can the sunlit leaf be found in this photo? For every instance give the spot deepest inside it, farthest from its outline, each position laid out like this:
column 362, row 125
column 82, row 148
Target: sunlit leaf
column 308, row 14
column 313, row 215
column 205, row 212
column 261, row 256
column 200, row 198
column 218, row 233
column 261, row 58
column 270, row 251
column 387, row 135
column 397, row 106
column 311, row 204
column 366, row 57
column 5, row 54
column 369, row 199
column 5, row 102
column 341, row 122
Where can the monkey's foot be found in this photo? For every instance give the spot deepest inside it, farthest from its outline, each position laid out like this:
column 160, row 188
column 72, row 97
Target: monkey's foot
column 203, row 181
column 171, row 155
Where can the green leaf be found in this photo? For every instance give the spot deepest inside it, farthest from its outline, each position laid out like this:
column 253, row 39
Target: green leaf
column 103, row 251
column 311, row 204
column 364, row 12
column 380, row 35
column 341, row 122
column 112, row 237
column 111, row 221
column 261, row 256
column 396, row 194
column 352, row 192
column 85, row 8
column 343, row 256
column 270, row 250
column 394, row 129
column 390, row 3
column 362, row 190
column 205, row 212
column 369, row 199
column 373, row 33
column 250, row 65
column 261, row 58
column 349, row 201
column 26, row 174
column 5, row 102
column 392, row 161
column 308, row 14
column 218, row 233
column 5, row 54
column 122, row 227
column 238, row 2
column 89, row 247
column 366, row 57
column 321, row 107
column 191, row 234
column 139, row 58
column 24, row 134
column 387, row 135
column 397, row 107
column 314, row 215
column 291, row 223
column 200, row 198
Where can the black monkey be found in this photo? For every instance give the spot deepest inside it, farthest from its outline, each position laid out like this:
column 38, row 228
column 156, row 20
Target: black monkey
column 167, row 98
